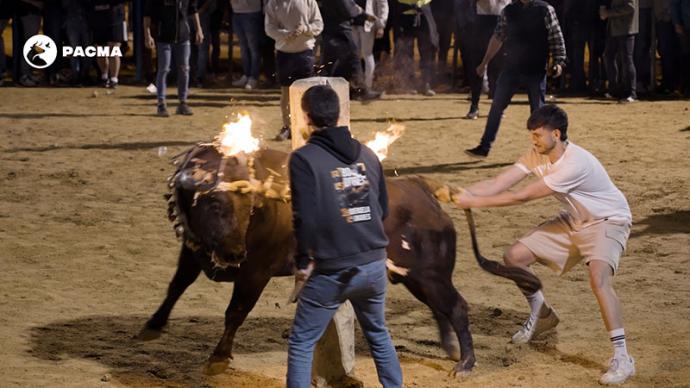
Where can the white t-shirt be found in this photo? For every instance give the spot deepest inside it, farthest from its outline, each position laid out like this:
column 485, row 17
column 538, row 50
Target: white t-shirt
column 581, row 184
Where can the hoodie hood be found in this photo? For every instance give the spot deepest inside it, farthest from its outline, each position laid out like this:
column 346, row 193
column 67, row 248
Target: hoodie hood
column 338, row 142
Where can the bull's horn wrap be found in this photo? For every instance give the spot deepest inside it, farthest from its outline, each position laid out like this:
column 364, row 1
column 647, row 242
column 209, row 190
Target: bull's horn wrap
column 524, row 279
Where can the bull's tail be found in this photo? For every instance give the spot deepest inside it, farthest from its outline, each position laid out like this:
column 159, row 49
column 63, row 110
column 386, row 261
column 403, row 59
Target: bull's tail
column 527, row 282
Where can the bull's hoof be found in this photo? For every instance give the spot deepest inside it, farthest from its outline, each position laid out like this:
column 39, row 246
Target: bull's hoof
column 216, row 365
column 463, row 368
column 149, row 334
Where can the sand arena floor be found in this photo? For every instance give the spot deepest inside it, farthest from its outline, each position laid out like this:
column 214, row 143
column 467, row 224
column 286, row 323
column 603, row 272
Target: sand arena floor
column 87, row 252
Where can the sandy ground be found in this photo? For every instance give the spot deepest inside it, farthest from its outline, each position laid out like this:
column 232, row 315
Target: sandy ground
column 87, row 252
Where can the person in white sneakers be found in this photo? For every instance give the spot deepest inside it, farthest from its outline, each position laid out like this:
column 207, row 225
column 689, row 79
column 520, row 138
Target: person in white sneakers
column 593, row 227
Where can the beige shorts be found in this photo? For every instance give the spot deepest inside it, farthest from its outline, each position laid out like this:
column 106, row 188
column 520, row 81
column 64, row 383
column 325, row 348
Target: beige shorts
column 558, row 246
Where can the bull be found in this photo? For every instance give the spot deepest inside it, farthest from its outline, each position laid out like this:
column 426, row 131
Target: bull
column 235, row 222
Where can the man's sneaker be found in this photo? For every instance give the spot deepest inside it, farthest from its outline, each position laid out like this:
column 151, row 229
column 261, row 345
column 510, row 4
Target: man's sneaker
column 251, row 83
column 477, row 152
column 367, row 95
column 428, row 91
column 531, row 329
column 162, row 111
column 184, row 109
column 284, row 134
column 620, row 369
column 627, row 100
column 240, row 82
column 472, row 114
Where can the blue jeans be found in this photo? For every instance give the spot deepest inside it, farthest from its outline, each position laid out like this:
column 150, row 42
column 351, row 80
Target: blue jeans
column 248, row 28
column 318, row 302
column 165, row 52
column 506, row 86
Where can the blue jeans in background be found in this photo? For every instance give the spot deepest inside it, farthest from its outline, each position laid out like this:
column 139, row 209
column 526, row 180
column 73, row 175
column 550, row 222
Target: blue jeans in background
column 318, row 302
column 165, row 51
column 506, row 86
column 248, row 28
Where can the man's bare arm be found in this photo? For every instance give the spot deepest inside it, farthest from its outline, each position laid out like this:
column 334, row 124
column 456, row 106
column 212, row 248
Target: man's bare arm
column 508, row 178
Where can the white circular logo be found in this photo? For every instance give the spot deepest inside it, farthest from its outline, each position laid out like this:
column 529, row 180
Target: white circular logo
column 40, row 51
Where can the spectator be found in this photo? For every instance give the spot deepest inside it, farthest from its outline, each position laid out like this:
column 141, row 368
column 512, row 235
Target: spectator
column 340, row 56
column 579, row 22
column 247, row 24
column 107, row 20
column 28, row 13
column 622, row 26
column 365, row 31
column 680, row 13
column 200, row 60
column 414, row 21
column 596, row 44
column 465, row 17
column 78, row 34
column 172, row 36
column 529, row 30
column 444, row 18
column 668, row 47
column 642, row 53
column 488, row 13
column 293, row 25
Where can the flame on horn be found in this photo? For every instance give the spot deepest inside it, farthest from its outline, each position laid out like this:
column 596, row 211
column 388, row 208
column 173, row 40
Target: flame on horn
column 383, row 139
column 237, row 137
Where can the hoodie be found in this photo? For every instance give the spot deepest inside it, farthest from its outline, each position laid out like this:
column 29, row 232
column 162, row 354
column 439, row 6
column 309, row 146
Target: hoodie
column 339, row 202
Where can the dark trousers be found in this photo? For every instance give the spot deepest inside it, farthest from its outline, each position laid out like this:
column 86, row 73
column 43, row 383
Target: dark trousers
column 445, row 25
column 669, row 51
column 643, row 46
column 482, row 30
column 620, row 66
column 340, row 57
column 596, row 44
column 507, row 84
column 577, row 35
column 406, row 34
column 464, row 44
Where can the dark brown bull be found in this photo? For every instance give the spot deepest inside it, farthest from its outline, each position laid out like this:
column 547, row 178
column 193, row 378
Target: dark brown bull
column 232, row 220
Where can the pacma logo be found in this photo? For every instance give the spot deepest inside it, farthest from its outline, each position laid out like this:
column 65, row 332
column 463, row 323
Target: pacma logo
column 40, row 51
column 91, row 51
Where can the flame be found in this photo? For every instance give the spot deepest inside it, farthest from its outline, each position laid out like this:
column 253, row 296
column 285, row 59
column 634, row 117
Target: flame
column 237, row 137
column 383, row 139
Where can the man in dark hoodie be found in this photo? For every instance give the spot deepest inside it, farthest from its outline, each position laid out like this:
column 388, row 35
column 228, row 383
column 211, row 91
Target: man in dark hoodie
column 339, row 202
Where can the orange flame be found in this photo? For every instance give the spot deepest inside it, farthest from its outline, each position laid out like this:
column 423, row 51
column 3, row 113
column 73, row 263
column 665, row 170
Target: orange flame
column 237, row 137
column 383, row 139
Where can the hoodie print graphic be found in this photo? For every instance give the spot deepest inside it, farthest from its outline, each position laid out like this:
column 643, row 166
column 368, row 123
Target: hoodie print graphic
column 352, row 192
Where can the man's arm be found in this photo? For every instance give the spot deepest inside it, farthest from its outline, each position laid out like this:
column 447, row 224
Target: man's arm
column 271, row 25
column 555, row 39
column 495, row 44
column 508, row 178
column 383, row 195
column 302, row 185
column 534, row 190
column 315, row 21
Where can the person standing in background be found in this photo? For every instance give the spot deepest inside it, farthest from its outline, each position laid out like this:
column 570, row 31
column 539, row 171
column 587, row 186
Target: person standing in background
column 680, row 13
column 294, row 26
column 622, row 26
column 247, row 24
column 415, row 22
column 642, row 53
column 172, row 35
column 366, row 31
column 107, row 21
column 488, row 13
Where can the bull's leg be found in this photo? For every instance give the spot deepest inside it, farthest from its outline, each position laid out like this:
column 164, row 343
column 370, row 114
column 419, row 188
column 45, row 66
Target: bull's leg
column 449, row 340
column 187, row 272
column 248, row 287
column 443, row 299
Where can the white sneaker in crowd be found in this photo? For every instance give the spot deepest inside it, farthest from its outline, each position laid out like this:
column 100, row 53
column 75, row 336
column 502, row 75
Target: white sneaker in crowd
column 251, row 83
column 152, row 88
column 240, row 82
column 531, row 329
column 620, row 369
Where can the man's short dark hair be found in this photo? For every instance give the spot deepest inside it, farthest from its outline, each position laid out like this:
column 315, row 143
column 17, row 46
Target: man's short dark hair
column 322, row 105
column 550, row 117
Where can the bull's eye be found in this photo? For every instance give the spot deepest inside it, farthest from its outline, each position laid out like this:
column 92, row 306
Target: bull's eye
column 215, row 207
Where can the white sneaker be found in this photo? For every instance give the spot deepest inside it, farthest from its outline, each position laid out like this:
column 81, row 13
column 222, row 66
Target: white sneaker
column 251, row 83
column 531, row 329
column 620, row 369
column 240, row 82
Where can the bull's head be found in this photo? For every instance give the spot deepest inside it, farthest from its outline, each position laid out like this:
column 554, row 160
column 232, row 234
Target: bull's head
column 220, row 212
